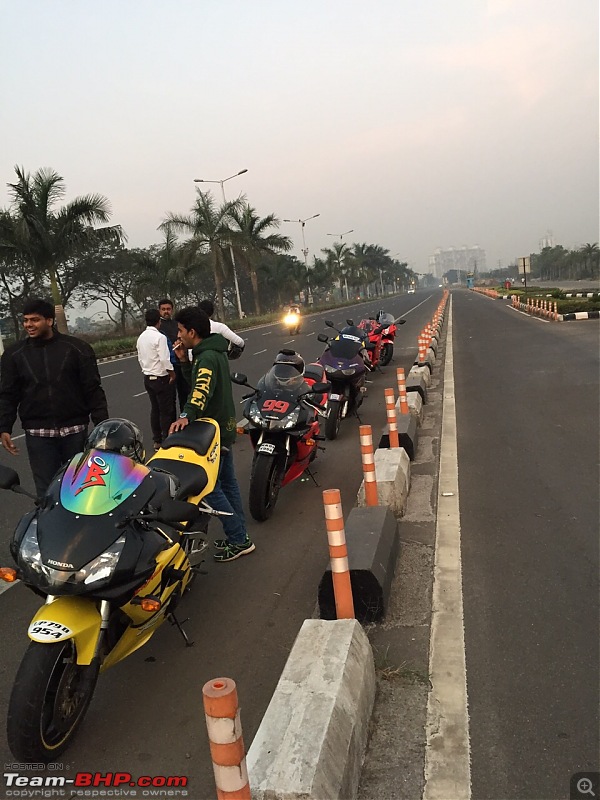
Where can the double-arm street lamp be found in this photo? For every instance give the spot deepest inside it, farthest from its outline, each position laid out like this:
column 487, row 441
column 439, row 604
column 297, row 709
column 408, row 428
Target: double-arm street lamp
column 304, row 247
column 235, row 278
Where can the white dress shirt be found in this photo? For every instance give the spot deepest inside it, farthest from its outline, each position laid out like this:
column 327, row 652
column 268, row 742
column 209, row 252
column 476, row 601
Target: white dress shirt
column 153, row 353
column 220, row 327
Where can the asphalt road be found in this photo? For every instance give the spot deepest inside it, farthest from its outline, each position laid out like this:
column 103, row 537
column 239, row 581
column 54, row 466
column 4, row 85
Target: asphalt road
column 146, row 716
column 527, row 400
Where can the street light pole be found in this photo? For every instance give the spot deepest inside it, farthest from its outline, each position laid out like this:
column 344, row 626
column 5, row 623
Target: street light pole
column 305, row 249
column 341, row 235
column 235, row 277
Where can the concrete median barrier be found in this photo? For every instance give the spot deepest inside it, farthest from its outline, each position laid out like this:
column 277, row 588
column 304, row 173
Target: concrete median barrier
column 415, row 407
column 392, row 473
column 407, row 434
column 373, row 546
column 312, row 739
column 417, row 380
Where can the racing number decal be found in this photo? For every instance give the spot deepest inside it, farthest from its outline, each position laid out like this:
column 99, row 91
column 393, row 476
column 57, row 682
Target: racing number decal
column 278, row 406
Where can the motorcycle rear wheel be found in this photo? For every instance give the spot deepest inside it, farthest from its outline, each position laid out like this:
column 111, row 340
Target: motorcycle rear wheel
column 387, row 351
column 265, row 482
column 334, row 419
column 48, row 701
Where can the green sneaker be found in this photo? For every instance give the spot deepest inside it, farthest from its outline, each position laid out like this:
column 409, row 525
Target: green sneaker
column 220, row 544
column 232, row 551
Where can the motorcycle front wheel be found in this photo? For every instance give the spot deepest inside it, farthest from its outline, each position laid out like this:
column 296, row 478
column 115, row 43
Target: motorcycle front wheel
column 265, row 482
column 48, row 701
column 387, row 351
column 334, row 418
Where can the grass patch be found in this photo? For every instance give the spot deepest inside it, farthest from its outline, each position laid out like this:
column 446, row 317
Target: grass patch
column 114, row 347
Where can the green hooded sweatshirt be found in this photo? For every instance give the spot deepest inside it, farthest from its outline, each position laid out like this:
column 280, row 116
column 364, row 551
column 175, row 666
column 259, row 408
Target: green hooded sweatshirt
column 211, row 395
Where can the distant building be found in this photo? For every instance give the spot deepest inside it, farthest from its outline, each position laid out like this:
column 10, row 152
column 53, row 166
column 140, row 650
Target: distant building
column 465, row 259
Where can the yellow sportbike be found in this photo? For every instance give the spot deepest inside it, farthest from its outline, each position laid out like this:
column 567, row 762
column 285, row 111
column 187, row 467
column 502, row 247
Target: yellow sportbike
column 111, row 548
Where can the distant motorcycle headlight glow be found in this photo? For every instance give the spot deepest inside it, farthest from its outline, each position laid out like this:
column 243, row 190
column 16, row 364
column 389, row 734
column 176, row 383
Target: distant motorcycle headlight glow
column 291, row 319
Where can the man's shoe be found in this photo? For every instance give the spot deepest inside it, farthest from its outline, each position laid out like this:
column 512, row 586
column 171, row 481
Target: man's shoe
column 233, row 551
column 220, row 544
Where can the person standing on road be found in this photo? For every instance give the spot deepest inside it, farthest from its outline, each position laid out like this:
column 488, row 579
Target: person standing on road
column 159, row 376
column 52, row 381
column 168, row 326
column 211, row 396
column 219, row 327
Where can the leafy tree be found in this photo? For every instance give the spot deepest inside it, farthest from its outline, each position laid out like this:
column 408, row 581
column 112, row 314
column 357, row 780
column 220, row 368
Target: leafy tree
column 209, row 227
column 251, row 242
column 48, row 238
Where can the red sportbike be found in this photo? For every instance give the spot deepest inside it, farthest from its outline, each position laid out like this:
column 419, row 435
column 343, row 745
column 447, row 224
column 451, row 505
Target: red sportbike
column 283, row 412
column 381, row 333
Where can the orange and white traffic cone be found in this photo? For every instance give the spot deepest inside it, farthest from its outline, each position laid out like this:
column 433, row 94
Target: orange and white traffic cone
column 368, row 464
column 404, row 409
column 222, row 713
column 390, row 405
column 338, row 554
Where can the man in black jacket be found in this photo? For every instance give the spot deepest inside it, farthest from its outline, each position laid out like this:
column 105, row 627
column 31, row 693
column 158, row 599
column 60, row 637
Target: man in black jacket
column 168, row 326
column 52, row 381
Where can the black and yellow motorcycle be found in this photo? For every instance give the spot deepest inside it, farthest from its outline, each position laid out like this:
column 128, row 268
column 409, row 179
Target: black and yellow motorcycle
column 111, row 549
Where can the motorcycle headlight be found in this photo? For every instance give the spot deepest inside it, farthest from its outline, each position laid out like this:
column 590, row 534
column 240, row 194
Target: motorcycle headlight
column 102, row 567
column 255, row 416
column 291, row 420
column 29, row 551
column 329, row 368
column 290, row 319
column 348, row 371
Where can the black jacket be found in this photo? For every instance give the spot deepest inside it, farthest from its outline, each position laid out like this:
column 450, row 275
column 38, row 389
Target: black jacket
column 53, row 383
column 169, row 328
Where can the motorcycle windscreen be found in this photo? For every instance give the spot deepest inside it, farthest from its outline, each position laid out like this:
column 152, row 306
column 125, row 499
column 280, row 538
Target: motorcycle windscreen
column 346, row 346
column 96, row 482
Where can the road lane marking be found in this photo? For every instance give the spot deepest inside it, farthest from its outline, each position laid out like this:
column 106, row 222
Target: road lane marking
column 259, row 352
column 4, row 587
column 268, row 333
column 311, row 334
column 290, row 341
column 518, row 310
column 447, row 754
column 140, row 394
column 112, row 374
column 20, row 436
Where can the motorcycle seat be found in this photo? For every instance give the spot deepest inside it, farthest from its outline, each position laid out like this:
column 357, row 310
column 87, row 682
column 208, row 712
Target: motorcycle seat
column 197, row 436
column 191, row 478
column 314, row 373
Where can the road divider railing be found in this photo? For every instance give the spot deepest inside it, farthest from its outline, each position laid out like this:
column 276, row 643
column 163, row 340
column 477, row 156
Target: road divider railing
column 222, row 713
column 537, row 307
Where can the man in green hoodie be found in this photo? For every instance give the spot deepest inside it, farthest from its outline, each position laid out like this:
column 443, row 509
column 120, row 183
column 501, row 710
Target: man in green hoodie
column 211, row 396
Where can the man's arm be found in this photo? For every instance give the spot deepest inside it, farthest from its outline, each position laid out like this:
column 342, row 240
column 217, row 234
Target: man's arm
column 10, row 393
column 202, row 389
column 220, row 327
column 91, row 385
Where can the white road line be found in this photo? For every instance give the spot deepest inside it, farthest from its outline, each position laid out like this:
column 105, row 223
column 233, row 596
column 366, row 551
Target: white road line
column 20, row 436
column 312, row 334
column 518, row 310
column 268, row 333
column 4, row 587
column 447, row 754
column 112, row 374
column 259, row 352
column 290, row 341
column 140, row 394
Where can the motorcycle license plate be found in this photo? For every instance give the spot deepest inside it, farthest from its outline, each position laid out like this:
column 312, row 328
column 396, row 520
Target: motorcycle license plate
column 335, row 396
column 267, row 448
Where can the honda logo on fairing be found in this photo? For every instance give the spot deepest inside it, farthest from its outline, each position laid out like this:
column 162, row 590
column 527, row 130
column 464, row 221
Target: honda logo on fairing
column 60, row 564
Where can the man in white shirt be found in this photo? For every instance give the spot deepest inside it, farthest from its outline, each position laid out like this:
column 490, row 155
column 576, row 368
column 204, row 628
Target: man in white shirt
column 159, row 376
column 219, row 327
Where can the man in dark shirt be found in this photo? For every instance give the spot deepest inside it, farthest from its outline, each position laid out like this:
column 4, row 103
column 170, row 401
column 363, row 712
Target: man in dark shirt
column 52, row 381
column 168, row 326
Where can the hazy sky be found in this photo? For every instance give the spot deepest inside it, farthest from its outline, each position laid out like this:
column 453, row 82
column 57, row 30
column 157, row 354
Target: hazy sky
column 419, row 123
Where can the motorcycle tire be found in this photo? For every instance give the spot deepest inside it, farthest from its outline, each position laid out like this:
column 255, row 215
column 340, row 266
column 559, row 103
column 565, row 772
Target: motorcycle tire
column 387, row 351
column 45, row 707
column 334, row 419
column 265, row 482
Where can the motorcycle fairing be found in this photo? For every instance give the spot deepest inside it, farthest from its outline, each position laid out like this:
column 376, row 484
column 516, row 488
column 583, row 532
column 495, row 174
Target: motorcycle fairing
column 79, row 615
column 96, row 482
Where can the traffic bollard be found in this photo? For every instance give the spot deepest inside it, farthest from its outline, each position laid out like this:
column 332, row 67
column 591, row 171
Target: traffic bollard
column 390, row 405
column 368, row 465
column 338, row 554
column 404, row 409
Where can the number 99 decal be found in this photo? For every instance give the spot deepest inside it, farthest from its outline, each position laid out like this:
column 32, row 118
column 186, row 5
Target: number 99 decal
column 278, row 406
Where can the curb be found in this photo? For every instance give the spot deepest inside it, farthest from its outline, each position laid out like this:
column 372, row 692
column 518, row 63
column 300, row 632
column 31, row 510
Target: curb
column 579, row 315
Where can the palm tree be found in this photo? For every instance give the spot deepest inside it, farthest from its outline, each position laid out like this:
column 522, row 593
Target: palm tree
column 251, row 242
column 46, row 237
column 209, row 226
column 336, row 258
column 591, row 257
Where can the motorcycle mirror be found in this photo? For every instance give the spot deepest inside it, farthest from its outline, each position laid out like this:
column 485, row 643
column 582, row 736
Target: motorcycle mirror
column 178, row 511
column 379, row 329
column 350, row 322
column 320, row 388
column 329, row 323
column 401, row 322
column 9, row 479
column 321, row 337
column 239, row 378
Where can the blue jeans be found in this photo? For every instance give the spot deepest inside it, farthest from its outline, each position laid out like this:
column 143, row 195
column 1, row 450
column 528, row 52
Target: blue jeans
column 226, row 497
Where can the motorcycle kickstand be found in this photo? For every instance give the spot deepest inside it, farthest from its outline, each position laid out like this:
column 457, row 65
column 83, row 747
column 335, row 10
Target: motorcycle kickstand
column 174, row 621
column 313, row 477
